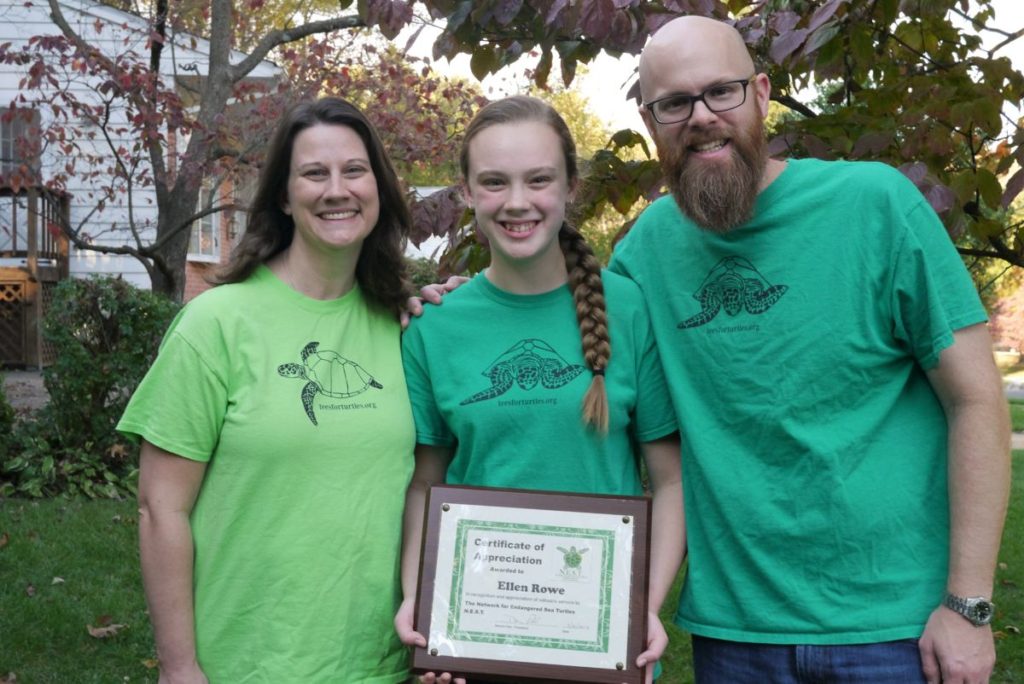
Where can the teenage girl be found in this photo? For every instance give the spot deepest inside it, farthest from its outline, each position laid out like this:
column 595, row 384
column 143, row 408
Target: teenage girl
column 541, row 372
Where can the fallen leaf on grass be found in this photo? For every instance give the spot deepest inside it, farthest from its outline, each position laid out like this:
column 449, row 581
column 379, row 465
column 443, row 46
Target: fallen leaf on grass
column 57, row 580
column 118, row 452
column 150, row 663
column 4, row 539
column 1008, row 583
column 1012, row 629
column 104, row 632
column 10, row 678
column 30, row 591
column 1003, row 566
column 998, row 634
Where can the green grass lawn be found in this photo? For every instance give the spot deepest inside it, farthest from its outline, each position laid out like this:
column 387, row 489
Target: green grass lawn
column 90, row 546
column 1017, row 414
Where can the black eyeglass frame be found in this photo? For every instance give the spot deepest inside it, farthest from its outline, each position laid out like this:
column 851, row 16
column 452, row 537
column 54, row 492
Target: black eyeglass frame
column 694, row 99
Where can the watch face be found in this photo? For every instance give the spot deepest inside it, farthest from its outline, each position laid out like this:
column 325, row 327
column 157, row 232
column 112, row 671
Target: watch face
column 982, row 611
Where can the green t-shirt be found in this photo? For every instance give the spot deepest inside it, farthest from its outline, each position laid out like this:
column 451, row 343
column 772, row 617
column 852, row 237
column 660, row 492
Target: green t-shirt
column 500, row 378
column 814, row 449
column 297, row 527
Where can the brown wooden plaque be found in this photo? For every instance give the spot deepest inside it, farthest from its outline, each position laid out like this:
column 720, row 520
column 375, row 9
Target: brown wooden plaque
column 526, row 586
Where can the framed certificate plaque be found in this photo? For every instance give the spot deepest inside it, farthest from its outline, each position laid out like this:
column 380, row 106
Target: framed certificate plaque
column 518, row 585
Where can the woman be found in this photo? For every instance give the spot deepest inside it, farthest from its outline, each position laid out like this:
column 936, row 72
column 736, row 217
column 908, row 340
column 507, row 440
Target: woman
column 538, row 397
column 276, row 429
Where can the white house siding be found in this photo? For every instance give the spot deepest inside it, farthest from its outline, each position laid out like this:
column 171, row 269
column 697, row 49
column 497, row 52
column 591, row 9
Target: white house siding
column 114, row 32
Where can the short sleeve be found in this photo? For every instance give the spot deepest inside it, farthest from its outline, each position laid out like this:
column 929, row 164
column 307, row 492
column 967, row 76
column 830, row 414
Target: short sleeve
column 431, row 428
column 932, row 293
column 655, row 416
column 180, row 404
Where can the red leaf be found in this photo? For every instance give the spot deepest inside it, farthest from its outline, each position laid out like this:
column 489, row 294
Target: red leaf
column 823, row 14
column 596, row 17
column 915, row 171
column 941, row 198
column 1014, row 186
column 506, row 11
column 786, row 44
column 556, row 8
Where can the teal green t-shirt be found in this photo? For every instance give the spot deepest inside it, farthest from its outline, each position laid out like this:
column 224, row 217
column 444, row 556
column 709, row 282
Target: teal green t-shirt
column 300, row 408
column 814, row 449
column 500, row 378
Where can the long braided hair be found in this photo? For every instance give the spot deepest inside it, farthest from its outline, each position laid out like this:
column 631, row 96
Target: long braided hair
column 583, row 267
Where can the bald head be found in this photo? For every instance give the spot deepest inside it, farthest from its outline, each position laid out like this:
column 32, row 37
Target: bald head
column 692, row 49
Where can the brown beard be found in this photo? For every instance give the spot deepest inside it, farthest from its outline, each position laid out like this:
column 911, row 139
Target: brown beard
column 717, row 197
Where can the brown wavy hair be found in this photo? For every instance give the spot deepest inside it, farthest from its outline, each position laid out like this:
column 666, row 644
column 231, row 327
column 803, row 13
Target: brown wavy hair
column 583, row 267
column 381, row 267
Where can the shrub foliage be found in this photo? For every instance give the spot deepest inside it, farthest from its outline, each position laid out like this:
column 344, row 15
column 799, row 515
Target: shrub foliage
column 106, row 334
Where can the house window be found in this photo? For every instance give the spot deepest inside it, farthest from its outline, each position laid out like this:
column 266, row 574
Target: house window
column 243, row 192
column 204, row 244
column 19, row 139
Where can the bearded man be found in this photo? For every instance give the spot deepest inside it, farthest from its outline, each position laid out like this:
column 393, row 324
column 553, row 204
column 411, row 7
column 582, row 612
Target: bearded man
column 845, row 437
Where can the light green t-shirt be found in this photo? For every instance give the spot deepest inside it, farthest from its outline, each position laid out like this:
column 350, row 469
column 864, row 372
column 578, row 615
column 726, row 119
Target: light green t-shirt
column 814, row 449
column 300, row 408
column 500, row 378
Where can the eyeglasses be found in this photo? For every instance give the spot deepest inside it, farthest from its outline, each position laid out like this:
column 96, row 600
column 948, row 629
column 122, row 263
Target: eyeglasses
column 720, row 97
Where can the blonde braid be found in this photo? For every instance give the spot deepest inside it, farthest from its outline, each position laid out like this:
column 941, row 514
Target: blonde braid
column 588, row 293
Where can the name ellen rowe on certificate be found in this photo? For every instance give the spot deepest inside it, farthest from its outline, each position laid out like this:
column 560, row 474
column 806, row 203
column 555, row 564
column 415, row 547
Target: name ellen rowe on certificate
column 549, row 584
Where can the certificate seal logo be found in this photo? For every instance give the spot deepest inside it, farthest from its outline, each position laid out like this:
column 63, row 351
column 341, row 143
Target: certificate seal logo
column 572, row 559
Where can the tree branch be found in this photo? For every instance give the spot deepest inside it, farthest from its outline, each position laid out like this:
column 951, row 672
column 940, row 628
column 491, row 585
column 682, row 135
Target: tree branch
column 795, row 105
column 281, row 36
column 62, row 23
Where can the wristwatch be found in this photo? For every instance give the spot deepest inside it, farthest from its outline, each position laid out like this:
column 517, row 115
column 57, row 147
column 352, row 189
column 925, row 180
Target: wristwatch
column 977, row 610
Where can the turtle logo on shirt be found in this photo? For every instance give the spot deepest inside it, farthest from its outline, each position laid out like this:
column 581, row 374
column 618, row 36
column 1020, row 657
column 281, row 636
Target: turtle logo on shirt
column 328, row 373
column 527, row 363
column 734, row 285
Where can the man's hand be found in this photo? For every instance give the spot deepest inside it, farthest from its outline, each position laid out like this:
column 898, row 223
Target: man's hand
column 953, row 651
column 431, row 294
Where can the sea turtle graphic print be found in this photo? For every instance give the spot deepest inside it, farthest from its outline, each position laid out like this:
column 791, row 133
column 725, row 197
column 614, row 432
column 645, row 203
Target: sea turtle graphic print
column 526, row 363
column 573, row 560
column 328, row 373
column 733, row 284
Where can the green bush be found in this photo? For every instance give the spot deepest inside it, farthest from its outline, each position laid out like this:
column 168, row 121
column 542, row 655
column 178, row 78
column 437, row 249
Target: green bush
column 6, row 420
column 422, row 271
column 106, row 334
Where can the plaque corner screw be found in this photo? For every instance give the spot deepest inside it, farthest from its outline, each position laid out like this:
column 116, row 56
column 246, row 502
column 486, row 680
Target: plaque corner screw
column 445, row 507
column 433, row 651
column 620, row 666
column 626, row 519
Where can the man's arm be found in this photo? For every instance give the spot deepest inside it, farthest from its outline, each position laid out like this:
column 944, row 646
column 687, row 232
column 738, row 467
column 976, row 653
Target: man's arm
column 970, row 390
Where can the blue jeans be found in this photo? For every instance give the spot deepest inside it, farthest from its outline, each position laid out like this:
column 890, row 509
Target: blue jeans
column 733, row 662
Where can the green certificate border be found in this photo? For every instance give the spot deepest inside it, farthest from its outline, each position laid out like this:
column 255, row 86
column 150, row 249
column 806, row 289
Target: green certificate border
column 455, row 630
